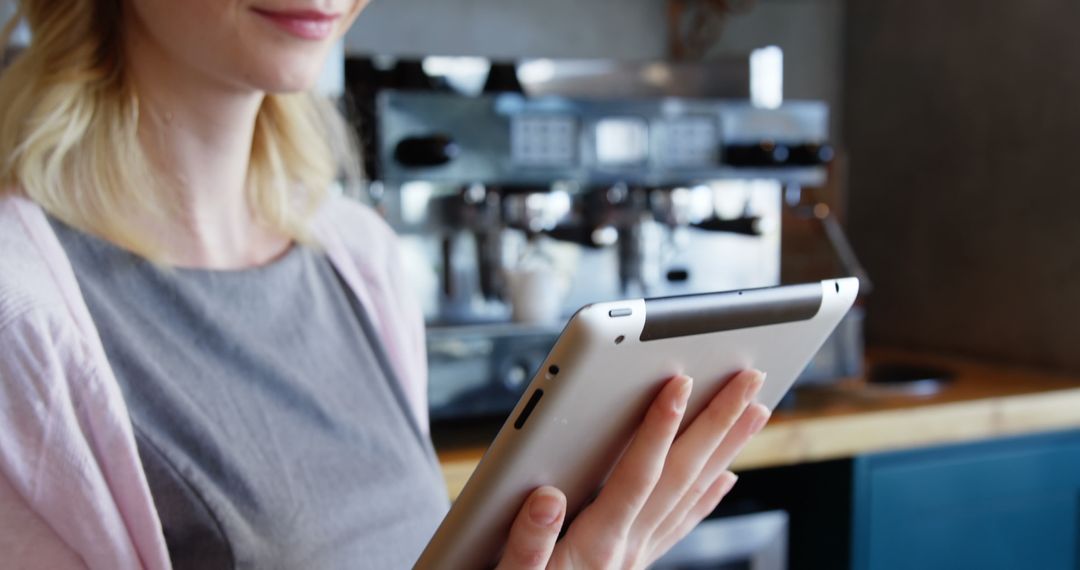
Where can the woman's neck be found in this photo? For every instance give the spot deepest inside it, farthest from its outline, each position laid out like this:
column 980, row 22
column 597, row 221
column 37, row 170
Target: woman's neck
column 197, row 133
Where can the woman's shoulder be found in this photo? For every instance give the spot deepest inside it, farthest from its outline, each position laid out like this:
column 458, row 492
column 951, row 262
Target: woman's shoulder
column 362, row 232
column 28, row 263
column 59, row 389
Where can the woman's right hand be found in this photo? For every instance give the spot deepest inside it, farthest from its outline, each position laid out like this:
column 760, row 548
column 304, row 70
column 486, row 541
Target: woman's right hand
column 659, row 491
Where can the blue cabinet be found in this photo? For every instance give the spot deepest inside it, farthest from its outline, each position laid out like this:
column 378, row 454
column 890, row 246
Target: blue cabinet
column 1008, row 504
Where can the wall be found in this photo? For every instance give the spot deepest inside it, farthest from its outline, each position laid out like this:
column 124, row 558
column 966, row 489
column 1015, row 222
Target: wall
column 629, row 29
column 962, row 124
column 809, row 32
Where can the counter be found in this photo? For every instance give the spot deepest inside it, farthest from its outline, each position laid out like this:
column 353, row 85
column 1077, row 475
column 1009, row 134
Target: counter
column 849, row 418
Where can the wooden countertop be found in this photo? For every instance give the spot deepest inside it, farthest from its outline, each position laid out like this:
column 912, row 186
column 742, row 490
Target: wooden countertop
column 850, row 418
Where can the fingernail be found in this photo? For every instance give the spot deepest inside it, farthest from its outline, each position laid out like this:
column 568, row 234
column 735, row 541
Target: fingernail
column 754, row 387
column 760, row 420
column 545, row 509
column 684, row 394
column 731, row 484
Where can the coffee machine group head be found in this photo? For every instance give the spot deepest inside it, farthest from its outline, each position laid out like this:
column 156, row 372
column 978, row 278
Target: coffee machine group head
column 620, row 196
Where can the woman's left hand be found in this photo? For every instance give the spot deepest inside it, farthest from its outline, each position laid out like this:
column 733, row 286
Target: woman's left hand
column 659, row 491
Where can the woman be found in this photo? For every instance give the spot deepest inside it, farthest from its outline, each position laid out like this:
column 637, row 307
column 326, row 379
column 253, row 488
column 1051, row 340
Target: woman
column 206, row 358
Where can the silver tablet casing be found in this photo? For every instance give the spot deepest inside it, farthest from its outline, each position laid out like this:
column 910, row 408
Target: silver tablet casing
column 600, row 377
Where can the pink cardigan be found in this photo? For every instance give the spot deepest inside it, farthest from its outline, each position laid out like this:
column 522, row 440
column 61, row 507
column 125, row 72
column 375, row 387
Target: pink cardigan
column 72, row 490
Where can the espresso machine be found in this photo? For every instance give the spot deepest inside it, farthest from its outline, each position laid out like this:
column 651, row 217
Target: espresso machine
column 548, row 185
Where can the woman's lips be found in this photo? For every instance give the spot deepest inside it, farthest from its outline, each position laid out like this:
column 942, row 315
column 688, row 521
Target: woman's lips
column 303, row 24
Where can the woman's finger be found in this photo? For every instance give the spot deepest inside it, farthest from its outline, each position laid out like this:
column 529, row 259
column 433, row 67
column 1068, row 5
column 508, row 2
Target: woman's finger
column 694, row 446
column 705, row 505
column 634, row 476
column 535, row 530
column 750, row 423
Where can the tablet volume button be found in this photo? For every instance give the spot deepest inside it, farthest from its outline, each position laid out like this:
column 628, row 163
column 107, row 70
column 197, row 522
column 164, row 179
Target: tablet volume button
column 528, row 408
column 625, row 312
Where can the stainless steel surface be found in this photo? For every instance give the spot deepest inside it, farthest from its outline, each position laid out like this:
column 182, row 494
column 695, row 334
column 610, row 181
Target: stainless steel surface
column 755, row 542
column 652, row 245
column 509, row 139
column 727, row 77
column 624, row 197
column 481, row 370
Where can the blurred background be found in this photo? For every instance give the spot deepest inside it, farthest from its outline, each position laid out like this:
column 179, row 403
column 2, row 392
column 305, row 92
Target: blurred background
column 536, row 156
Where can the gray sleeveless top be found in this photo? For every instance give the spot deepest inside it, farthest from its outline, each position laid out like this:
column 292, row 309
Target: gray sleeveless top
column 268, row 421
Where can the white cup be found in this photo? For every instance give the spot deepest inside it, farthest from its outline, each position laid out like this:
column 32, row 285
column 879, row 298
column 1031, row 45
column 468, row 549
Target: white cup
column 536, row 294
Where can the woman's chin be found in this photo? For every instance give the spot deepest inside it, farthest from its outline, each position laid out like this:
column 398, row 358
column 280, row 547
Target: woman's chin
column 285, row 79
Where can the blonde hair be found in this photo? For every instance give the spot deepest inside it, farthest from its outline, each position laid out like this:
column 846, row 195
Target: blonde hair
column 68, row 133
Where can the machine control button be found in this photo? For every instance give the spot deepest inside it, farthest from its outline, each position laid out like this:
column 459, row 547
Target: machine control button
column 625, row 312
column 426, row 151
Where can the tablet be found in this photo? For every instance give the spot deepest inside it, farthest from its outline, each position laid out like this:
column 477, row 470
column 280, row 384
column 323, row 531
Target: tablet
column 583, row 405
